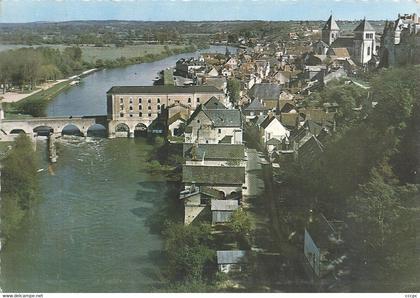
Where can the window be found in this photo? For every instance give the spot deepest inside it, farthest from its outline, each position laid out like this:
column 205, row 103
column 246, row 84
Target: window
column 198, row 121
column 149, row 100
column 121, row 114
column 131, row 108
column 207, row 141
column 158, row 107
column 131, row 115
column 121, row 107
column 140, row 107
column 189, row 100
column 150, row 114
column 368, row 51
column 198, row 99
column 121, row 100
column 220, row 130
column 149, row 107
column 140, row 114
column 139, row 99
column 131, row 100
column 158, row 100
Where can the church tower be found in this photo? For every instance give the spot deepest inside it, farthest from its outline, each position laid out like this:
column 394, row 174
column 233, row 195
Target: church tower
column 330, row 32
column 364, row 44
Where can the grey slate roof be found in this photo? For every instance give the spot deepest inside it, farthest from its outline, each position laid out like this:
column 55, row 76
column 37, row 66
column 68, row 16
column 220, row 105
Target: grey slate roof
column 256, row 105
column 224, row 205
column 214, row 151
column 265, row 91
column 231, row 256
column 214, row 104
column 224, row 118
column 364, row 26
column 162, row 89
column 213, row 175
column 331, row 24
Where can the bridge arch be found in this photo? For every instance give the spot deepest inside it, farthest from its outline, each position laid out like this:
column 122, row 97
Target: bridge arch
column 122, row 129
column 71, row 129
column 43, row 130
column 17, row 131
column 140, row 130
column 96, row 130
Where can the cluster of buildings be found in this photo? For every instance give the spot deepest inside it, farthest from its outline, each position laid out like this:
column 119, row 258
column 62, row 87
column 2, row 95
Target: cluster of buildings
column 192, row 103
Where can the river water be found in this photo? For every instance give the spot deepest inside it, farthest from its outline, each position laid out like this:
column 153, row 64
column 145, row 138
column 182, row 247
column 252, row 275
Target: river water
column 89, row 233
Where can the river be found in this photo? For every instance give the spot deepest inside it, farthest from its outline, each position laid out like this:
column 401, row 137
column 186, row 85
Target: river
column 89, row 233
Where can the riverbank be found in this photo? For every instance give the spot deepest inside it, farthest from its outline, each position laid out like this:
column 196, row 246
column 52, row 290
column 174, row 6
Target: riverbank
column 35, row 104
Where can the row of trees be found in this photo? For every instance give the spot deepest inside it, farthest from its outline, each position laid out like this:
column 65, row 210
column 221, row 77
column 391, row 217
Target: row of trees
column 20, row 186
column 367, row 176
column 30, row 66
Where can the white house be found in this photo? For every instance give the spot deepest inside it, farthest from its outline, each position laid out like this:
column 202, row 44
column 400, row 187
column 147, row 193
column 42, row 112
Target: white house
column 272, row 128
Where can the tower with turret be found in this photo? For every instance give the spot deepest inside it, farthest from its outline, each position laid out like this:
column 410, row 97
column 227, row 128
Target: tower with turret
column 364, row 43
column 330, row 31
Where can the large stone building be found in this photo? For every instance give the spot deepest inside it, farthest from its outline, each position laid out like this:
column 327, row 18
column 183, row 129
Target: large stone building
column 401, row 41
column 362, row 45
column 134, row 108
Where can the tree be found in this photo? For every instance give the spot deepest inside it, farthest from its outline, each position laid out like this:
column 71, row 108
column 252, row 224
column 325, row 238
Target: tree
column 20, row 186
column 241, row 224
column 233, row 90
column 188, row 252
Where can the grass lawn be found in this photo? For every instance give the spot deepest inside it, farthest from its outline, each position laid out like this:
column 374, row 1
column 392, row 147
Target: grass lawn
column 91, row 53
column 49, row 93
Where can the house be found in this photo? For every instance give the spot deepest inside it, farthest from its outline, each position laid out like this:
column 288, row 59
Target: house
column 222, row 210
column 227, row 179
column 232, row 63
column 196, row 200
column 255, row 108
column 175, row 124
column 214, row 154
column 219, row 82
column 322, row 240
column 213, row 72
column 268, row 93
column 231, row 260
column 282, row 78
column 213, row 126
column 214, row 104
column 271, row 127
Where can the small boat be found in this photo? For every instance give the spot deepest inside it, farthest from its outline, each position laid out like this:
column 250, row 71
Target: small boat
column 40, row 170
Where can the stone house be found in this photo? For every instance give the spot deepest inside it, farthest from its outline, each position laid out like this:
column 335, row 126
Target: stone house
column 226, row 179
column 214, row 154
column 213, row 126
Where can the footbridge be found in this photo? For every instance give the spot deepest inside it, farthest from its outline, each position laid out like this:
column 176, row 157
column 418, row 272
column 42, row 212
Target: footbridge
column 52, row 125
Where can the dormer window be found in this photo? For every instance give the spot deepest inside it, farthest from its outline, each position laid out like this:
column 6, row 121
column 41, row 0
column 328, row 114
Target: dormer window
column 158, row 100
column 149, row 100
column 139, row 99
column 121, row 100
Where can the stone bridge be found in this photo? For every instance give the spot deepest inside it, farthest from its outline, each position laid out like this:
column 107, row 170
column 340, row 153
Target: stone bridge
column 53, row 124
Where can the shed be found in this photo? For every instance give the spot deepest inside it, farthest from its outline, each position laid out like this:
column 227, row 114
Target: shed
column 222, row 210
column 231, row 260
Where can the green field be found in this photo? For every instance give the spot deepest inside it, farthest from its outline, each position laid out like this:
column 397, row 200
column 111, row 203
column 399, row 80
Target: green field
column 91, row 54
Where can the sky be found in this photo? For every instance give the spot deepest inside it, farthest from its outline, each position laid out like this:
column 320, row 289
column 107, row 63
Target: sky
column 19, row 11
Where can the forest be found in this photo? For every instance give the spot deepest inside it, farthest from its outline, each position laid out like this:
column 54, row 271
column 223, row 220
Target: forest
column 367, row 176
